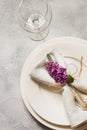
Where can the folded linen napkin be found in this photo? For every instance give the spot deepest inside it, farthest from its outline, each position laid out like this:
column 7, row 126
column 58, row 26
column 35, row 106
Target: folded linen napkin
column 76, row 115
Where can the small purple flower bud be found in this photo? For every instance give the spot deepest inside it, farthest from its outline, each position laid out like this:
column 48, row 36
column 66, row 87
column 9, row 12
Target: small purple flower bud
column 58, row 73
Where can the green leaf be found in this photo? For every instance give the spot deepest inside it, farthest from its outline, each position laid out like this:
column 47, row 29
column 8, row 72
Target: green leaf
column 70, row 79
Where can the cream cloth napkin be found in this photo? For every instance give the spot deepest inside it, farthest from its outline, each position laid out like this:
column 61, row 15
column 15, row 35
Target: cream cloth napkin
column 77, row 116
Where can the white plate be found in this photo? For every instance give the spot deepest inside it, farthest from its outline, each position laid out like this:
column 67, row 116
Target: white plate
column 46, row 104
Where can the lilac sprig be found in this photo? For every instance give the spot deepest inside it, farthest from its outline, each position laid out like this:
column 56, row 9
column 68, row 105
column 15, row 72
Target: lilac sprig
column 57, row 72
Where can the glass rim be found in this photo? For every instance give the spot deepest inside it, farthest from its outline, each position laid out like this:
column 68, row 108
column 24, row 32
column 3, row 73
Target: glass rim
column 25, row 20
column 19, row 8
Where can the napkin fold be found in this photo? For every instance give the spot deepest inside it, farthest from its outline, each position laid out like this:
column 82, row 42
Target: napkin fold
column 77, row 116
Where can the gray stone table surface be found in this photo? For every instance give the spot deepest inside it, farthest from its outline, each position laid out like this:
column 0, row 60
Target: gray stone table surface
column 69, row 19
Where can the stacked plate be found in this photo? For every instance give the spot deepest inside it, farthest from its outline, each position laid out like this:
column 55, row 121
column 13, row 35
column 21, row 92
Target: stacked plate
column 47, row 106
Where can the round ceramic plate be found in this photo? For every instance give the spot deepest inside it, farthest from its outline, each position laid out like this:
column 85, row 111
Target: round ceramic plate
column 48, row 105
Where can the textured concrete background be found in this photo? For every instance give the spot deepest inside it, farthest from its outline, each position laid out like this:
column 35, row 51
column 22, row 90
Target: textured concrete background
column 69, row 19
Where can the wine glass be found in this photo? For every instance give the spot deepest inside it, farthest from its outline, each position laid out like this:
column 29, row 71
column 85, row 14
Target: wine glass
column 35, row 17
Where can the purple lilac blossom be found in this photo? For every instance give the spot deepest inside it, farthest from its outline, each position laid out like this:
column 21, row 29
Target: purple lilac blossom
column 57, row 72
